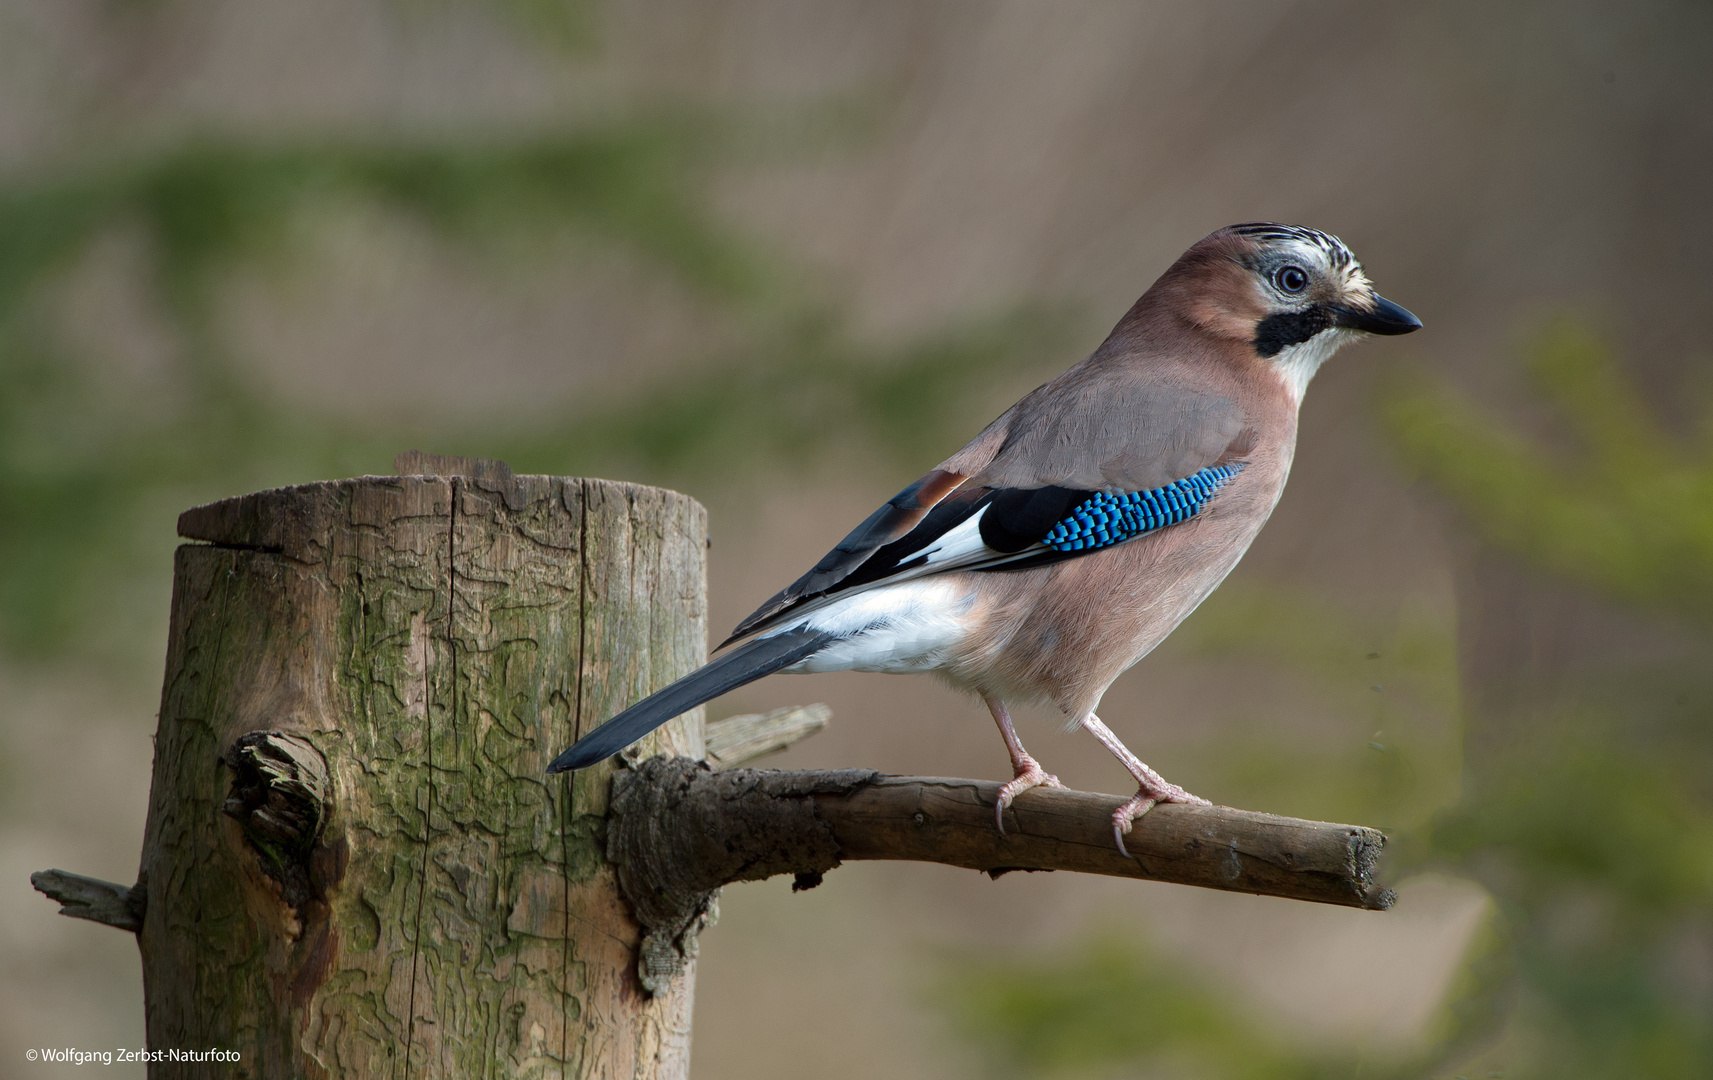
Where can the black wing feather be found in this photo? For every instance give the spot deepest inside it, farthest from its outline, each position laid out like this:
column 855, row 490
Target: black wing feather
column 897, row 517
column 1015, row 519
column 1019, row 517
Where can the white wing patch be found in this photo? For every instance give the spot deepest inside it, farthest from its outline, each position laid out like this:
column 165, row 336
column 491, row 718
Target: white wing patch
column 958, row 546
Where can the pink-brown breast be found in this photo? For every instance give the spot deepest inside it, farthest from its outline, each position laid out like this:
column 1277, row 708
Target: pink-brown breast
column 1063, row 633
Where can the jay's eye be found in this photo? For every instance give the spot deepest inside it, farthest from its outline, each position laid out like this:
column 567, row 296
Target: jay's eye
column 1291, row 279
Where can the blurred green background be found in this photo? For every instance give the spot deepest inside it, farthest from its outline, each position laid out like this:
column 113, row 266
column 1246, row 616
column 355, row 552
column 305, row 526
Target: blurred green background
column 785, row 257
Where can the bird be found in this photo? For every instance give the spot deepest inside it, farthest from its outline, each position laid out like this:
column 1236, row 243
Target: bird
column 1075, row 532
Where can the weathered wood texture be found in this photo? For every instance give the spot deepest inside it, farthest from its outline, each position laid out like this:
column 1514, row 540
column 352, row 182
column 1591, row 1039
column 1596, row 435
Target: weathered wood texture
column 680, row 831
column 737, row 740
column 421, row 647
column 105, row 902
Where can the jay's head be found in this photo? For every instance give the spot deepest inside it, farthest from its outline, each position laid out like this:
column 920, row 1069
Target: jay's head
column 1291, row 295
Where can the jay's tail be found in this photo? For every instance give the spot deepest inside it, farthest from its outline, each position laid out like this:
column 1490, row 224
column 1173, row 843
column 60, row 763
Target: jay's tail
column 744, row 664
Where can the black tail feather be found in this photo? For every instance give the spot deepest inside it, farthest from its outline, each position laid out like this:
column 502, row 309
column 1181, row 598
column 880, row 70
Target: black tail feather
column 744, row 664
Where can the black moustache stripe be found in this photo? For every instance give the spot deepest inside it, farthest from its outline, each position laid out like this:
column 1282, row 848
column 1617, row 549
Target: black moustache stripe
column 1278, row 332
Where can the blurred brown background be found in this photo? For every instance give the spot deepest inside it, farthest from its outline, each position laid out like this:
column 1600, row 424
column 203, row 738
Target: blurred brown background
column 784, row 257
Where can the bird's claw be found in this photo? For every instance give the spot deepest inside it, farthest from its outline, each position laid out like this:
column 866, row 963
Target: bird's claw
column 1143, row 801
column 1029, row 775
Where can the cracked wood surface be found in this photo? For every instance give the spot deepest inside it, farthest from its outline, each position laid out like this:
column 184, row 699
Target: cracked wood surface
column 436, row 640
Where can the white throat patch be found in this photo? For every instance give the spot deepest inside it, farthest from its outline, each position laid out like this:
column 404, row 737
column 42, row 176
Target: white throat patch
column 1296, row 364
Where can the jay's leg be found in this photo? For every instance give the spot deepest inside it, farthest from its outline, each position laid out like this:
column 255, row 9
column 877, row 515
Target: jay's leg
column 1026, row 771
column 1152, row 787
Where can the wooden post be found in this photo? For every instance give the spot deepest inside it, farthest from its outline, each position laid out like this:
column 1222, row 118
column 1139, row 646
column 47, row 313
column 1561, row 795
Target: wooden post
column 354, row 864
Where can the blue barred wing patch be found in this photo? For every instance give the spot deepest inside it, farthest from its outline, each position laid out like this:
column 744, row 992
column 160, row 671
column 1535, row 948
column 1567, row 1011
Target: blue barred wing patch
column 1111, row 518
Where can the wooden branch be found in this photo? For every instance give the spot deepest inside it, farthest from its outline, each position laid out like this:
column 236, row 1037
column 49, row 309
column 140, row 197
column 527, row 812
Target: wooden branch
column 679, row 831
column 739, row 740
column 93, row 899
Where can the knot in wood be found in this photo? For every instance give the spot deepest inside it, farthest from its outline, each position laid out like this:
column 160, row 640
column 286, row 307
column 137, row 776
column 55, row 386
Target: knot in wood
column 279, row 796
column 677, row 832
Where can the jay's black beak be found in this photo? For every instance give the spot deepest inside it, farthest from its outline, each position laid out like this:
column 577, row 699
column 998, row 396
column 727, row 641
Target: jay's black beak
column 1384, row 318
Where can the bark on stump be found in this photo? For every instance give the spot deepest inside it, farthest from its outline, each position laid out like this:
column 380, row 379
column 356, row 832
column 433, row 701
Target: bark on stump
column 409, row 653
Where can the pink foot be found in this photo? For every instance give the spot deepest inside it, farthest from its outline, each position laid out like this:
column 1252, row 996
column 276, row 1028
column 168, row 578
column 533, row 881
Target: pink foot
column 1029, row 775
column 1145, row 800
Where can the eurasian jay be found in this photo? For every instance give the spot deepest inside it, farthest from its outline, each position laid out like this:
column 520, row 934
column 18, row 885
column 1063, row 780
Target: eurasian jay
column 1065, row 541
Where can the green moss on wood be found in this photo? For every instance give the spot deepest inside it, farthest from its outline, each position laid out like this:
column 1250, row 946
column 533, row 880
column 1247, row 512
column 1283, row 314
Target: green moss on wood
column 437, row 641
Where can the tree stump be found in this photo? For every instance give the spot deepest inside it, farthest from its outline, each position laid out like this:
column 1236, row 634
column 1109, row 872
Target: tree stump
column 354, row 864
